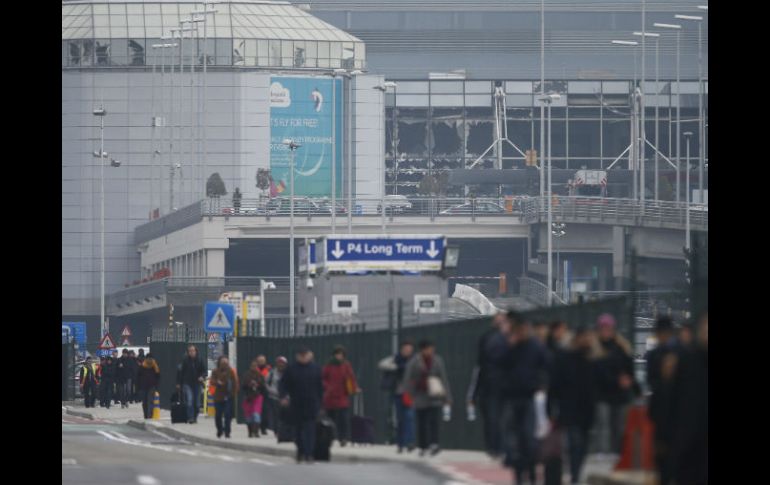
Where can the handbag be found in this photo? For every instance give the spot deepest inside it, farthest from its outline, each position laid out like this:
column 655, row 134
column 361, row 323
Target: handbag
column 435, row 387
column 349, row 387
column 406, row 399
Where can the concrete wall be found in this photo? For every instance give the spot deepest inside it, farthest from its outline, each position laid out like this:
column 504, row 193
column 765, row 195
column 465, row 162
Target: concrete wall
column 237, row 114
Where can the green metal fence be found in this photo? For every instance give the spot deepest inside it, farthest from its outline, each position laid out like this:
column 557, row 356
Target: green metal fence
column 169, row 355
column 455, row 342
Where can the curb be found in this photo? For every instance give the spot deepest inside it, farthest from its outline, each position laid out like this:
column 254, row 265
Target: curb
column 79, row 414
column 620, row 478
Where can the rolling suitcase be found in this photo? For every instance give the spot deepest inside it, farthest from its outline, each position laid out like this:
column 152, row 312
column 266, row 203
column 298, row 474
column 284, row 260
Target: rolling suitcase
column 178, row 408
column 324, row 435
column 361, row 427
column 284, row 428
column 551, row 455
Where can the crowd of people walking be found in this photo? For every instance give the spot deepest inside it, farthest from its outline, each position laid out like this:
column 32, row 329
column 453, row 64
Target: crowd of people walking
column 537, row 387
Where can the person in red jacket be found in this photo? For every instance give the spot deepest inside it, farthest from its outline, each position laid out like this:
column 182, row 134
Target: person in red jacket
column 339, row 383
column 264, row 369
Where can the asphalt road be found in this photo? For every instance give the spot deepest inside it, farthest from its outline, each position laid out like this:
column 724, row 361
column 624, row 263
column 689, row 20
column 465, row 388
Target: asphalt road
column 99, row 452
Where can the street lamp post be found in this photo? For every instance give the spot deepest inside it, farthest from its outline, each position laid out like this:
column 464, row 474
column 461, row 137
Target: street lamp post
column 678, row 29
column 293, row 148
column 263, row 285
column 634, row 149
column 383, row 88
column 349, row 116
column 205, row 12
column 101, row 113
column 687, row 135
column 542, row 93
column 701, row 158
column 656, row 36
column 557, row 229
column 548, row 100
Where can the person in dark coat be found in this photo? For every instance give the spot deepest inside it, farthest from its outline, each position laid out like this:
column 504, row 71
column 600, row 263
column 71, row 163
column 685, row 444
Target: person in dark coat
column 237, row 200
column 301, row 389
column 189, row 380
column 147, row 381
column 133, row 374
column 339, row 382
column 485, row 389
column 573, row 395
column 660, row 382
column 123, row 378
column 617, row 384
column 690, row 444
column 107, row 381
column 524, row 368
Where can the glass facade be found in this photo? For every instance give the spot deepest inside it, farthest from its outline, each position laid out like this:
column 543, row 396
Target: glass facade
column 239, row 34
column 435, row 126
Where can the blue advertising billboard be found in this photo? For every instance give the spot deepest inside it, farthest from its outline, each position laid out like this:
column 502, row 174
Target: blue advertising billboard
column 302, row 109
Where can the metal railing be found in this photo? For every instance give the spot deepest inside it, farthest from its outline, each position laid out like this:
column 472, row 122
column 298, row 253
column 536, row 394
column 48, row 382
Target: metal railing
column 537, row 292
column 310, row 207
column 616, row 211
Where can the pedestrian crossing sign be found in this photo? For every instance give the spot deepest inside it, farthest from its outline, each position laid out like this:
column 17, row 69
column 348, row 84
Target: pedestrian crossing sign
column 219, row 317
column 107, row 342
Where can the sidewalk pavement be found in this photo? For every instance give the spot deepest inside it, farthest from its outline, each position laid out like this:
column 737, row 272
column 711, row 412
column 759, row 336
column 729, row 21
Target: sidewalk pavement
column 461, row 466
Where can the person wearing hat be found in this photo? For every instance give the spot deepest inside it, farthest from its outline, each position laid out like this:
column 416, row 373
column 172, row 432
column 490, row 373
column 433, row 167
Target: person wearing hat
column 272, row 407
column 339, row 383
column 661, row 385
column 616, row 384
column 301, row 390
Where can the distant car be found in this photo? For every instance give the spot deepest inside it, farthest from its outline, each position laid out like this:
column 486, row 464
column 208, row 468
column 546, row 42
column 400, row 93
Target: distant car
column 395, row 204
column 326, row 206
column 477, row 208
column 282, row 206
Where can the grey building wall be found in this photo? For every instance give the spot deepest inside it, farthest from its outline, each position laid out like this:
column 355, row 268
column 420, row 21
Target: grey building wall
column 238, row 117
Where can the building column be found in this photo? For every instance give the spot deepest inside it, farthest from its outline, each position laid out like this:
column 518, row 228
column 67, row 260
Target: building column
column 618, row 256
column 215, row 262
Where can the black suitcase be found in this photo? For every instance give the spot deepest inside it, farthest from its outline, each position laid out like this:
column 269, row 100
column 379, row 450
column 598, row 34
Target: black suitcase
column 553, row 471
column 178, row 409
column 324, row 435
column 361, row 427
column 284, row 427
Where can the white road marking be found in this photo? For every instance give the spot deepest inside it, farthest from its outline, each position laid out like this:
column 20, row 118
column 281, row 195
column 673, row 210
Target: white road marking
column 147, row 480
column 120, row 438
column 261, row 462
column 68, row 462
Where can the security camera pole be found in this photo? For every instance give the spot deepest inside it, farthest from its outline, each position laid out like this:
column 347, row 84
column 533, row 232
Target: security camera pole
column 292, row 147
column 547, row 100
column 383, row 88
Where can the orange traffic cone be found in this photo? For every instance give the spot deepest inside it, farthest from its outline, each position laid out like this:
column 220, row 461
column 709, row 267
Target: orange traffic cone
column 637, row 441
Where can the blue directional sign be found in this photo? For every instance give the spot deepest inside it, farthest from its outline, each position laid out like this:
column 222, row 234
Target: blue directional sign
column 219, row 317
column 77, row 330
column 404, row 253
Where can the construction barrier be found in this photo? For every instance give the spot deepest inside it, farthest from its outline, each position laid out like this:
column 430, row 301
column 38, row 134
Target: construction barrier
column 637, row 441
column 156, row 406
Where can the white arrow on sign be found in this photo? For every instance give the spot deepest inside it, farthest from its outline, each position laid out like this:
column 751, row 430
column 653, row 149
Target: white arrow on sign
column 337, row 252
column 432, row 252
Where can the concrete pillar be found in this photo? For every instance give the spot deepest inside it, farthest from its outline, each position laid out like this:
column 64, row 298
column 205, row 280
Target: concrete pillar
column 215, row 262
column 618, row 256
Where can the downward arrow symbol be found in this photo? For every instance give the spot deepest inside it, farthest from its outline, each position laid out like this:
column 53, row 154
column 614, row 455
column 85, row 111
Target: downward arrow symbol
column 432, row 252
column 337, row 252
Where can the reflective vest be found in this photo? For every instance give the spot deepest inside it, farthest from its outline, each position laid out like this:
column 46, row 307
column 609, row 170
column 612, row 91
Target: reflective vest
column 88, row 369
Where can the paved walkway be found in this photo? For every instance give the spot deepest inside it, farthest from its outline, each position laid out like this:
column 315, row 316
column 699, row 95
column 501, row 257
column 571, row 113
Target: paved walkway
column 467, row 467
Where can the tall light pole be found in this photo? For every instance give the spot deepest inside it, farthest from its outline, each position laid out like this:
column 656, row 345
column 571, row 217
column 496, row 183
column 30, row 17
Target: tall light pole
column 204, row 114
column 656, row 36
column 263, row 285
column 701, row 159
column 166, row 149
column 548, row 100
column 349, row 116
column 634, row 151
column 293, row 148
column 557, row 229
column 702, row 106
column 101, row 113
column 678, row 29
column 687, row 135
column 334, row 73
column 542, row 93
column 383, row 88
